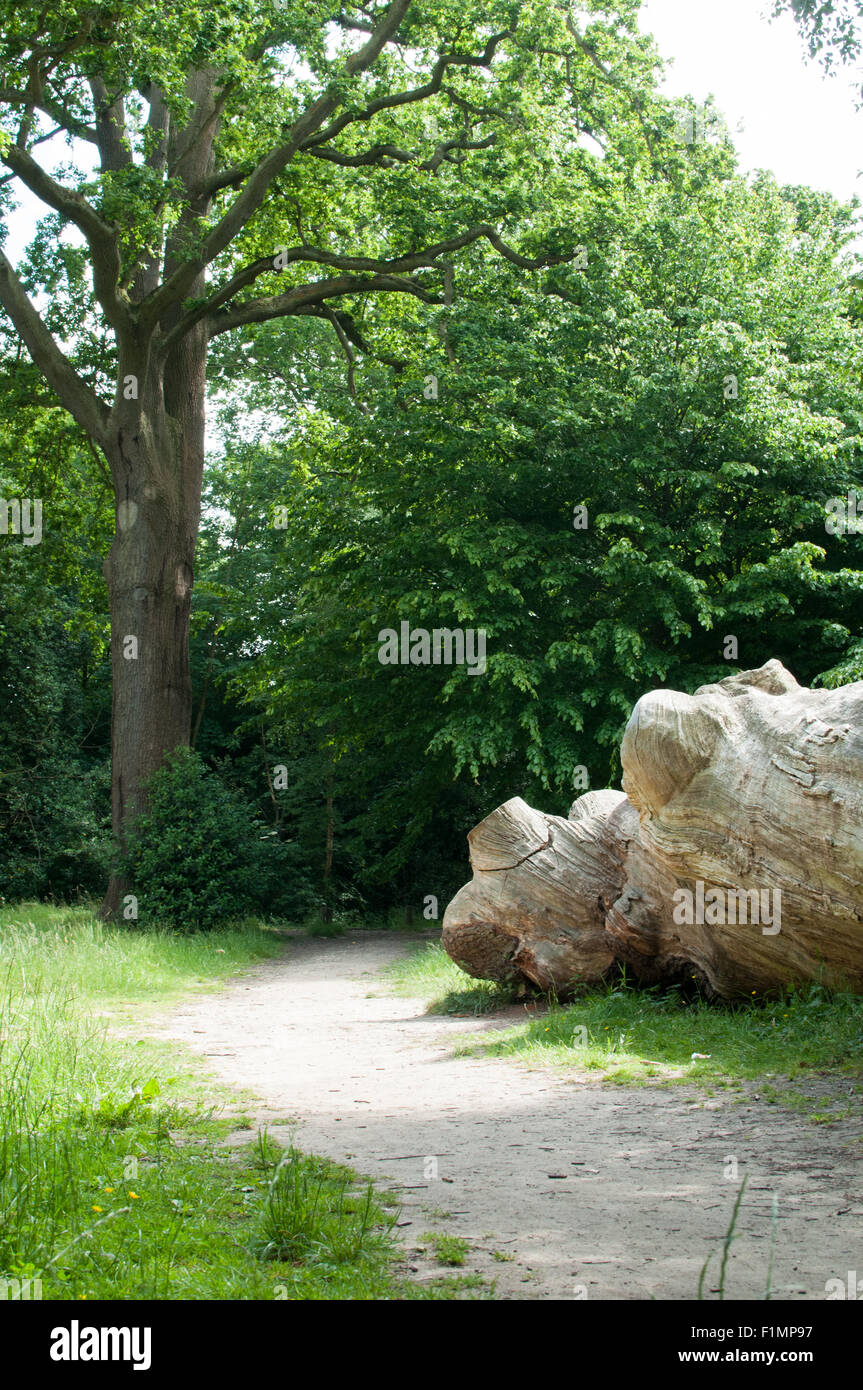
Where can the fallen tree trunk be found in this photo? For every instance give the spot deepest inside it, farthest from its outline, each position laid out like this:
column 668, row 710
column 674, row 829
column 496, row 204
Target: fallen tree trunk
column 734, row 853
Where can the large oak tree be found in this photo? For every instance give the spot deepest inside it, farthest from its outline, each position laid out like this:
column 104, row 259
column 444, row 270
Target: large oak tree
column 249, row 160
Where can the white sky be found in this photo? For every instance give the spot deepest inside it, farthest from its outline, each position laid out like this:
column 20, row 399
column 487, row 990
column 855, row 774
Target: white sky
column 798, row 122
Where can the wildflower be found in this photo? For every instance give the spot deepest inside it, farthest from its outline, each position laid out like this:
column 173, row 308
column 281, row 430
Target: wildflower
column 109, row 1189
column 134, row 1196
column 95, row 1208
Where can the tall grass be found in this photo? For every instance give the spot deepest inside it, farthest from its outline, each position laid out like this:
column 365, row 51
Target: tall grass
column 115, row 1182
column 312, row 1207
column 70, row 947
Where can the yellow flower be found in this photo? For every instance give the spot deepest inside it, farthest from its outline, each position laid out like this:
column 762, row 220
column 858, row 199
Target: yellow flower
column 95, row 1208
column 109, row 1189
column 134, row 1195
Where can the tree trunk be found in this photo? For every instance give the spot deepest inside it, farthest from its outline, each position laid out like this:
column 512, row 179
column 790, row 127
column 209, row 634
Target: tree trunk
column 327, row 910
column 534, row 909
column 157, row 469
column 156, row 454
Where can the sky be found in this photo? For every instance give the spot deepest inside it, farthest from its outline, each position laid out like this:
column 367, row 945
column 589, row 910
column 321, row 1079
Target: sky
column 798, row 122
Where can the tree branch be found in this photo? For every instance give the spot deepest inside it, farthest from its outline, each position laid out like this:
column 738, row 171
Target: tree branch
column 399, row 265
column 304, row 297
column 73, row 393
column 39, row 140
column 101, row 237
column 256, row 187
column 70, row 204
column 414, row 94
column 349, row 327
column 379, row 153
column 333, row 318
column 9, row 96
column 114, row 151
column 144, row 275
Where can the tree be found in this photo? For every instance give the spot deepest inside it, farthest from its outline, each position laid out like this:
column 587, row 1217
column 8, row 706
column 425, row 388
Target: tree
column 829, row 26
column 696, row 390
column 54, row 689
column 716, row 848
column 236, row 146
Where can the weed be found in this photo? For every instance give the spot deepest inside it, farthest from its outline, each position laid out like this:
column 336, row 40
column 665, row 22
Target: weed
column 449, row 1250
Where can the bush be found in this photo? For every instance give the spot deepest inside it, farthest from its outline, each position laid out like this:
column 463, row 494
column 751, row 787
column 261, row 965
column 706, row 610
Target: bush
column 197, row 857
column 55, row 834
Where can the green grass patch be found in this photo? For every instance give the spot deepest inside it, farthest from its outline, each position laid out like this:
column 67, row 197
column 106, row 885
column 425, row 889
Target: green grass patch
column 99, row 962
column 627, row 1034
column 448, row 1250
column 115, row 1178
column 319, row 926
column 429, row 973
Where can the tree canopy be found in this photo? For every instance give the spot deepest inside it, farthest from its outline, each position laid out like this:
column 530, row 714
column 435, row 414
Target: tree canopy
column 491, row 336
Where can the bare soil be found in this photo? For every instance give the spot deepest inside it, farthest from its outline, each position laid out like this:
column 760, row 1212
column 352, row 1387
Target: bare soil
column 589, row 1190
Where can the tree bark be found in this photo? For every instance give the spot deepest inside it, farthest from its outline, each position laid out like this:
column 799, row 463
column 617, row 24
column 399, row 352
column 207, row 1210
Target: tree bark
column 157, row 470
column 156, row 453
column 327, row 909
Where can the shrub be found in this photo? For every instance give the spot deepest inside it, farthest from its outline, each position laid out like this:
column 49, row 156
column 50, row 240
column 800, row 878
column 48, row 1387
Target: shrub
column 197, row 856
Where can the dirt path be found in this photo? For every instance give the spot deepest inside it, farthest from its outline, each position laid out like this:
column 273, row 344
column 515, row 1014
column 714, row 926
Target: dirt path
column 597, row 1192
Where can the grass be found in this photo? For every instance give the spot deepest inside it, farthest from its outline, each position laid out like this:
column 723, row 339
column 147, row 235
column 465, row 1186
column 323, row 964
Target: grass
column 115, row 1178
column 315, row 1213
column 115, row 966
column 448, row 1250
column 429, row 973
column 625, row 1034
column 726, row 1250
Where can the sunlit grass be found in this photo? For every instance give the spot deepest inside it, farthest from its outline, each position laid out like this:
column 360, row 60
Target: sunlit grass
column 115, row 1181
column 429, row 973
column 69, row 946
column 625, row 1034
